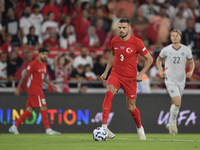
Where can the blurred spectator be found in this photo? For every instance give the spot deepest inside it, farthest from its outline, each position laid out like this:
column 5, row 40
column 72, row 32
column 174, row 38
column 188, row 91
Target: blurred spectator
column 67, row 38
column 189, row 36
column 93, row 54
column 52, row 41
column 164, row 25
column 16, row 48
column 11, row 25
column 49, row 24
column 115, row 26
column 106, row 22
column 150, row 9
column 97, row 4
column 100, row 32
column 106, row 55
column 36, row 18
column 141, row 23
column 3, row 66
column 82, row 26
column 193, row 7
column 31, row 40
column 17, row 5
column 91, row 39
column 51, row 6
column 196, row 73
column 12, row 65
column 71, row 51
column 69, row 8
column 83, row 59
column 112, row 5
column 197, row 24
column 90, row 75
column 2, row 9
column 78, row 74
column 158, row 45
column 31, row 3
column 67, row 22
column 144, row 85
column 99, row 66
column 28, row 57
column 128, row 5
column 86, row 6
column 179, row 20
column 1, row 35
column 169, row 9
column 6, row 47
column 62, row 65
column 25, row 23
column 154, row 76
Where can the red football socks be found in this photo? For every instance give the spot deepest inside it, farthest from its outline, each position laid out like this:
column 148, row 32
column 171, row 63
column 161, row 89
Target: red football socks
column 107, row 106
column 21, row 119
column 45, row 119
column 136, row 116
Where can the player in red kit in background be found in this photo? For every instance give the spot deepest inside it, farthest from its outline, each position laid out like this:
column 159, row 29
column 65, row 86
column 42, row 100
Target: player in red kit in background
column 125, row 50
column 37, row 70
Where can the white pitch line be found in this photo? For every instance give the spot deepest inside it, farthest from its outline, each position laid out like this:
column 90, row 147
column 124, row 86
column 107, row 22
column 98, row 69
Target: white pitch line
column 71, row 137
column 163, row 140
column 148, row 139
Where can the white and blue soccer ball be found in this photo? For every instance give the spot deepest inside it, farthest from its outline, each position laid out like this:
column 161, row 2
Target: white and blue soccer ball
column 100, row 134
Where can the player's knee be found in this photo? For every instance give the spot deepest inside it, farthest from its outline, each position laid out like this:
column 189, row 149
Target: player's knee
column 43, row 108
column 30, row 109
column 177, row 104
column 131, row 107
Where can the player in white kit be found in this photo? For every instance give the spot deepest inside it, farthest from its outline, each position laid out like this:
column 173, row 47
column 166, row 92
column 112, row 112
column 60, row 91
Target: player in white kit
column 175, row 57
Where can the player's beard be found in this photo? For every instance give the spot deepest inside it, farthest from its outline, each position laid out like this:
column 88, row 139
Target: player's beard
column 43, row 60
column 123, row 36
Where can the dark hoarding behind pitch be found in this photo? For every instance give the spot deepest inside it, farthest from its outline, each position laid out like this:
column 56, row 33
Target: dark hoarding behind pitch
column 81, row 113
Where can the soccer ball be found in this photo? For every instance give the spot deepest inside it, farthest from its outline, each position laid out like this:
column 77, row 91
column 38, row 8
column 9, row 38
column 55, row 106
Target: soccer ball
column 100, row 134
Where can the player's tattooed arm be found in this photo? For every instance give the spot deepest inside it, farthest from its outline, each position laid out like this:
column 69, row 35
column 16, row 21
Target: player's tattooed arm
column 23, row 78
column 46, row 80
column 50, row 83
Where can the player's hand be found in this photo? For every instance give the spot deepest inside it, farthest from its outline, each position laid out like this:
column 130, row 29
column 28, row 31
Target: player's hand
column 103, row 77
column 17, row 91
column 53, row 86
column 138, row 78
column 189, row 74
column 162, row 74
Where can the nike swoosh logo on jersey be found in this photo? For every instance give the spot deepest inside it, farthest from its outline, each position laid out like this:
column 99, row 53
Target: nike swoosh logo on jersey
column 116, row 47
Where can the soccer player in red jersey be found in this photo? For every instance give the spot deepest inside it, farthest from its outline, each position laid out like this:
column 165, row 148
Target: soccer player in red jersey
column 125, row 50
column 37, row 70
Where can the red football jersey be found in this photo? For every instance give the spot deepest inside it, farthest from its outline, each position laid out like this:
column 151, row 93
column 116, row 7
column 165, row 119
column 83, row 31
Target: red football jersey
column 37, row 73
column 126, row 54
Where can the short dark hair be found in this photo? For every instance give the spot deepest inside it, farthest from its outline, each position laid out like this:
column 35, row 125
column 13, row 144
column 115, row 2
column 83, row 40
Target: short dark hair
column 31, row 27
column 49, row 13
column 35, row 6
column 125, row 20
column 43, row 49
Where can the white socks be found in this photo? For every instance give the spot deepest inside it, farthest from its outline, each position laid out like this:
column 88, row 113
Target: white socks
column 139, row 129
column 174, row 110
column 104, row 126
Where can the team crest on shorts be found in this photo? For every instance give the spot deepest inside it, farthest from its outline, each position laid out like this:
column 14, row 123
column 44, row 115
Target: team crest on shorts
column 172, row 91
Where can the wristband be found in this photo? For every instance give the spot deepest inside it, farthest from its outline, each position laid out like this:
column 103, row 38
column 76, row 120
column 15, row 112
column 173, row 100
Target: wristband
column 18, row 87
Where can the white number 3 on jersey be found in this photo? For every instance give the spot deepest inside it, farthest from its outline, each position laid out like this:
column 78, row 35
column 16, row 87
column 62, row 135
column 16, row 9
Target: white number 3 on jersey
column 122, row 57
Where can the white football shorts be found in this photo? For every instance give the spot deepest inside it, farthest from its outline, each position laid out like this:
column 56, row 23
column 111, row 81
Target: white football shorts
column 175, row 89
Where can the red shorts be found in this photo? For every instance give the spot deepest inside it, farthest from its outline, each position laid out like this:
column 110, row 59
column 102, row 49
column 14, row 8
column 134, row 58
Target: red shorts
column 35, row 100
column 129, row 86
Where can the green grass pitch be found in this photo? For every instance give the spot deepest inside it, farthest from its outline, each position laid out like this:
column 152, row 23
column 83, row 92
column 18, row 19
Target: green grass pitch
column 85, row 142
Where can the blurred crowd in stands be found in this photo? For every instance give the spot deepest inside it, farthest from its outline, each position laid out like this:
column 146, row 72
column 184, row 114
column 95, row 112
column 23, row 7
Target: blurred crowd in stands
column 87, row 26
